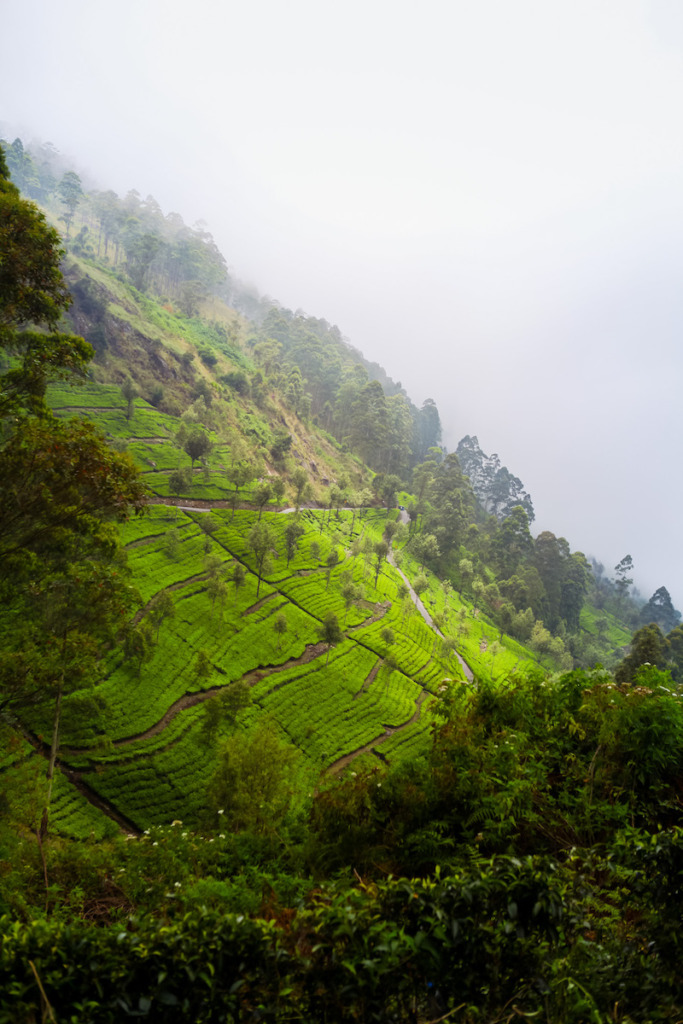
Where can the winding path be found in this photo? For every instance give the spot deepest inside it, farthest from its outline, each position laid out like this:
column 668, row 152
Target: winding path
column 469, row 674
column 369, row 748
column 190, row 700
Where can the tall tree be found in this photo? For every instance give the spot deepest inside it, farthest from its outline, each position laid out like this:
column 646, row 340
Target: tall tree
column 261, row 540
column 33, row 298
column 648, row 647
column 70, row 193
column 623, row 576
column 660, row 609
column 197, row 444
column 330, row 633
column 497, row 490
column 293, row 531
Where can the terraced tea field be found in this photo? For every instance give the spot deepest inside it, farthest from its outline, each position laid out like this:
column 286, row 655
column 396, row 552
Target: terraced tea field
column 147, row 755
column 144, row 753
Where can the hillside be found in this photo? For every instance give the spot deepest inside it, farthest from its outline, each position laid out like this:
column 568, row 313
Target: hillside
column 292, row 708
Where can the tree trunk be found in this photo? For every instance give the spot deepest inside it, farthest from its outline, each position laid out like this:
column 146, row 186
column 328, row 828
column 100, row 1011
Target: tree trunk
column 54, row 747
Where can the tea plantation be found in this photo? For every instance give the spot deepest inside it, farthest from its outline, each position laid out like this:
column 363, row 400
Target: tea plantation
column 138, row 747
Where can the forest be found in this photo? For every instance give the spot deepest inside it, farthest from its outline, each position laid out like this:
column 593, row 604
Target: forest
column 299, row 720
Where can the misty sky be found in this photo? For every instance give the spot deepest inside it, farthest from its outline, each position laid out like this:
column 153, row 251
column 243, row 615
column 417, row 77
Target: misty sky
column 484, row 195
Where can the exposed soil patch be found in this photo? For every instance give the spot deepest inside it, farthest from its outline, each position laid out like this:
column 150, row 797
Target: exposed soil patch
column 381, row 611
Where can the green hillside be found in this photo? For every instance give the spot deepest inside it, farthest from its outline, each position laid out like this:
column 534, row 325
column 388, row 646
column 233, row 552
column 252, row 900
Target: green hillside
column 299, row 719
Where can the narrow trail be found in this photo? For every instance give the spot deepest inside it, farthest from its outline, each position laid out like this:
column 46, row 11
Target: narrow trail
column 469, row 674
column 190, row 700
column 75, row 778
column 369, row 748
column 260, row 603
column 124, row 823
column 370, row 678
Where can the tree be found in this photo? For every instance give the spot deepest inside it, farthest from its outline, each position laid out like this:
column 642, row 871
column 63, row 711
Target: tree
column 425, row 547
column 451, row 505
column 129, row 392
column 497, row 490
column 466, row 571
column 240, row 474
column 224, row 708
column 302, row 487
column 280, row 447
column 330, row 633
column 138, row 644
column 675, row 649
column 390, row 486
column 262, row 496
column 70, row 192
column 202, row 668
column 576, row 573
column 388, row 636
column 261, row 540
column 648, row 647
column 190, row 296
column 252, row 783
column 59, row 477
column 280, row 628
column 541, row 639
column 208, row 525
column 447, row 648
column 512, row 543
column 293, row 531
column 351, row 594
column 660, row 609
column 420, row 584
column 239, row 575
column 161, row 608
column 212, row 566
column 32, row 295
column 390, row 530
column 550, row 553
column 624, row 579
column 478, row 591
column 216, row 589
column 381, row 550
column 197, row 445
column 278, row 485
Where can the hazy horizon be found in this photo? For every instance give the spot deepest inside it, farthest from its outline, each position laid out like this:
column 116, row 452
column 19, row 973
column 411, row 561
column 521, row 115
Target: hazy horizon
column 486, row 199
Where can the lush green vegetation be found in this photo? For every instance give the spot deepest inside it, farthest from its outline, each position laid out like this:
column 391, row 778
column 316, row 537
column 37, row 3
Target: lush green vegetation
column 245, row 773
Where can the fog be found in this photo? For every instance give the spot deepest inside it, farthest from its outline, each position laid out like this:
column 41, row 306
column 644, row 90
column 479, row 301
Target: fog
column 484, row 196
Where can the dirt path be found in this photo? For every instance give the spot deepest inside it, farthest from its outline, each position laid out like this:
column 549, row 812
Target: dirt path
column 124, row 823
column 260, row 603
column 369, row 748
column 370, row 678
column 190, row 700
column 469, row 674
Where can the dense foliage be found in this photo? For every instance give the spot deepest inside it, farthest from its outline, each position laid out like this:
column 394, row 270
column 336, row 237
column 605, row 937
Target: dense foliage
column 388, row 814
